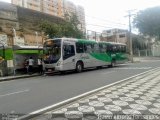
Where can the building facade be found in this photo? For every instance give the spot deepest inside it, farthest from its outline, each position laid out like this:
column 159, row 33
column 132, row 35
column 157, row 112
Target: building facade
column 69, row 7
column 52, row 7
column 115, row 35
column 81, row 17
column 14, row 24
column 58, row 8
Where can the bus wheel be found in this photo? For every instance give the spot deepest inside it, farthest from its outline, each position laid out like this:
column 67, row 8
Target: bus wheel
column 79, row 67
column 99, row 67
column 113, row 64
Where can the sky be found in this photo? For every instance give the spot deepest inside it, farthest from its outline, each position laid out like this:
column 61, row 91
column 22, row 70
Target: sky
column 107, row 14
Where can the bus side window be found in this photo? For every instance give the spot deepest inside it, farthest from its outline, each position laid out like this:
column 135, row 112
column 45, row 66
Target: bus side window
column 68, row 51
column 79, row 47
column 109, row 48
column 85, row 47
column 96, row 48
column 124, row 49
column 102, row 48
column 88, row 48
column 114, row 48
column 118, row 48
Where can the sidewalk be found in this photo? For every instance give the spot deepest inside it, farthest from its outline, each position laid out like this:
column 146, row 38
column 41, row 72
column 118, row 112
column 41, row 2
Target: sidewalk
column 141, row 59
column 13, row 77
column 137, row 98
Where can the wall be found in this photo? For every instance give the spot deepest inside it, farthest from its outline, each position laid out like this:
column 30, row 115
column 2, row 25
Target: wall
column 8, row 17
column 31, row 20
column 25, row 21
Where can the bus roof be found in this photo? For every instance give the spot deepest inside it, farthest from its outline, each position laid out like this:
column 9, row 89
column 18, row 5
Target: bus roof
column 86, row 41
column 113, row 43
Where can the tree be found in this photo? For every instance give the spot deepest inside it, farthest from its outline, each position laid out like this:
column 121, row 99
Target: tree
column 138, row 42
column 68, row 28
column 148, row 22
column 51, row 29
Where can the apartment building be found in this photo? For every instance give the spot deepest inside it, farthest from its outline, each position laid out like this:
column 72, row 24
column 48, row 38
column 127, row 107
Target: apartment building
column 81, row 17
column 52, row 7
column 69, row 7
column 55, row 7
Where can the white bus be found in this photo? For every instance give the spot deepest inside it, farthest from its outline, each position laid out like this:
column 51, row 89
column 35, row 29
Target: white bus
column 64, row 54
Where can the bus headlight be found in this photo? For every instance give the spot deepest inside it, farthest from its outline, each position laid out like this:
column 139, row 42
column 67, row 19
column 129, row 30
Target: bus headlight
column 59, row 63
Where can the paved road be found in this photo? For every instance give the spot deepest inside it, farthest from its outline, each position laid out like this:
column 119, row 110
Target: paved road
column 28, row 95
column 134, row 99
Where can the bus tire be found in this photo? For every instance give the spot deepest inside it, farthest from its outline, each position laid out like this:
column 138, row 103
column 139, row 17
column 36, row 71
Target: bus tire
column 99, row 67
column 79, row 67
column 113, row 63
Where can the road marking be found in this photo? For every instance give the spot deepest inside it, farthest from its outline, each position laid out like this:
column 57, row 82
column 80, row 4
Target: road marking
column 107, row 72
column 14, row 93
column 134, row 68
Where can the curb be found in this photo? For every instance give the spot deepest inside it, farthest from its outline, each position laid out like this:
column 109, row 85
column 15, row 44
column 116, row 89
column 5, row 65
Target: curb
column 17, row 77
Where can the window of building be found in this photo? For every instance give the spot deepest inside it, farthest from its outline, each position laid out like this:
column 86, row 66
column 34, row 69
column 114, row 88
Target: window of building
column 109, row 31
column 122, row 35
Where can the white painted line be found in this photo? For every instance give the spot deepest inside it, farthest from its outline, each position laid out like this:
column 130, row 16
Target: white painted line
column 134, row 68
column 14, row 93
column 57, row 105
column 107, row 72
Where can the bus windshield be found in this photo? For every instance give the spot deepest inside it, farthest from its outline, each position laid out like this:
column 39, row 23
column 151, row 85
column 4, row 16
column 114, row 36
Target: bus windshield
column 52, row 51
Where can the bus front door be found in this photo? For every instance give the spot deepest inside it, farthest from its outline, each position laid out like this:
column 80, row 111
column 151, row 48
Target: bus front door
column 68, row 56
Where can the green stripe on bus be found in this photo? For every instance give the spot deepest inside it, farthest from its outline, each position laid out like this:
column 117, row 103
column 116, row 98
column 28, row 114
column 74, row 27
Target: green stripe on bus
column 101, row 56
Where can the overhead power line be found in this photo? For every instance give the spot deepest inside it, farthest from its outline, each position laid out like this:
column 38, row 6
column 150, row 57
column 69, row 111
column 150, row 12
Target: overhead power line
column 106, row 20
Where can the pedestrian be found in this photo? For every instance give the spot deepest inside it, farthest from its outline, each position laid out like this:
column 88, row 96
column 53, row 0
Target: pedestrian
column 30, row 64
column 26, row 65
column 40, row 66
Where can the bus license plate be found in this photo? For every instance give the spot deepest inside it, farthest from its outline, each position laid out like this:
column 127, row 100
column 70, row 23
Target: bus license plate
column 49, row 70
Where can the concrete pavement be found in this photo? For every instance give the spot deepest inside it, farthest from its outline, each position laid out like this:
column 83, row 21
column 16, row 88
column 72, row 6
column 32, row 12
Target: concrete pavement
column 132, row 99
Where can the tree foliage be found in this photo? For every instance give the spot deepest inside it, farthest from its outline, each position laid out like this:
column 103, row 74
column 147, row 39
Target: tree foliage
column 68, row 28
column 148, row 22
column 138, row 42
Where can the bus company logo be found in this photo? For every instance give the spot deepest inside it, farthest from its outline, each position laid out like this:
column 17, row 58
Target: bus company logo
column 113, row 55
column 85, row 57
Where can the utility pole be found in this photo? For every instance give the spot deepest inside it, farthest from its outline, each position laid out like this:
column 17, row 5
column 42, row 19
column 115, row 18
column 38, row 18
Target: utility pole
column 14, row 59
column 130, row 35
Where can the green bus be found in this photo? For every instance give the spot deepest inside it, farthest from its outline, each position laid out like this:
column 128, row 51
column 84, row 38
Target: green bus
column 64, row 54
